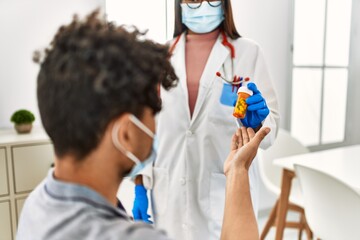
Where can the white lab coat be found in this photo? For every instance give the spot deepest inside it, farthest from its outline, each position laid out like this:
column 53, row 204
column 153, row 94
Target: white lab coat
column 187, row 180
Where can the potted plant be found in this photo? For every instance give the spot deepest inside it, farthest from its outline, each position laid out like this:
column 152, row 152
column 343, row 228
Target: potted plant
column 23, row 120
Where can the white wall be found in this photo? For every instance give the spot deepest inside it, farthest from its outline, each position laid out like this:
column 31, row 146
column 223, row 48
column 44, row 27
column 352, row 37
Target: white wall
column 27, row 26
column 129, row 13
column 270, row 24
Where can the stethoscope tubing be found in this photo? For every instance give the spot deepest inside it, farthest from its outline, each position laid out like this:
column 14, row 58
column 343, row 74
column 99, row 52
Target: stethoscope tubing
column 226, row 43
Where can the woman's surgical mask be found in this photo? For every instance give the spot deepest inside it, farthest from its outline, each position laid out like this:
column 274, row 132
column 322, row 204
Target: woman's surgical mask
column 202, row 19
column 139, row 165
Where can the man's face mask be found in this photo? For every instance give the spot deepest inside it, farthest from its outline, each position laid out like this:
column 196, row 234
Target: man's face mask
column 202, row 18
column 139, row 165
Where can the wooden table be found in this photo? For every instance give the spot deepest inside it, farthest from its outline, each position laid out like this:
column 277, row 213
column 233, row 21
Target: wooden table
column 342, row 163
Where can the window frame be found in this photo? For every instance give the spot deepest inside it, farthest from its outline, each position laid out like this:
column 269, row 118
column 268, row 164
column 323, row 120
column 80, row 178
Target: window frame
column 351, row 92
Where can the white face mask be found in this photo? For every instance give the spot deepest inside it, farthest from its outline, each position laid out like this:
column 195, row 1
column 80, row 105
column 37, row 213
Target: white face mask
column 204, row 19
column 138, row 164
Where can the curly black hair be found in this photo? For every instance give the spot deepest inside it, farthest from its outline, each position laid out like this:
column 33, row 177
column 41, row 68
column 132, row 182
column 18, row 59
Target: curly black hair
column 93, row 72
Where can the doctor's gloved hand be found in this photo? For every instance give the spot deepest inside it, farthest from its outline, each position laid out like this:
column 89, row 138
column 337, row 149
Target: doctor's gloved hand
column 141, row 204
column 257, row 109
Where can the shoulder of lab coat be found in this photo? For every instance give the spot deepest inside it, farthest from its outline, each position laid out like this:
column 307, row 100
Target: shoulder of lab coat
column 262, row 78
column 180, row 41
column 172, row 41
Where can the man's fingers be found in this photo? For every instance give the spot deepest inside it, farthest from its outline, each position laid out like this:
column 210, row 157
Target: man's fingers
column 245, row 136
column 234, row 142
column 240, row 141
column 251, row 133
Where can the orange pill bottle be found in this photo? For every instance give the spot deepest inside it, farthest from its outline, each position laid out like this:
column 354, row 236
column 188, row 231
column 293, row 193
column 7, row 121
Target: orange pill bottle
column 241, row 105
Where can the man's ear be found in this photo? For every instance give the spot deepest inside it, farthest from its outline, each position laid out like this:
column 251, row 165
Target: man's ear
column 125, row 131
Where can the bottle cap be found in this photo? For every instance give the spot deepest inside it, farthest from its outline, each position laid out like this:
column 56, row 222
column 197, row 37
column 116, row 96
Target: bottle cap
column 245, row 89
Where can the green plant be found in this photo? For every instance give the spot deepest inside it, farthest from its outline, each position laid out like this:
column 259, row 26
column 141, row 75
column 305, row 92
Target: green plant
column 22, row 116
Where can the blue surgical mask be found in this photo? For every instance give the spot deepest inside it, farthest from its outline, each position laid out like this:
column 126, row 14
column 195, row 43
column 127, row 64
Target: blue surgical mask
column 203, row 19
column 139, row 165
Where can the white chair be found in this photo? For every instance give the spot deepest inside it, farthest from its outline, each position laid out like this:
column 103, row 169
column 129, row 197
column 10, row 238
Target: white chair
column 284, row 145
column 332, row 207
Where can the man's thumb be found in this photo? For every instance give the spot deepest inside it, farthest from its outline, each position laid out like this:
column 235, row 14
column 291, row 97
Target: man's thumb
column 260, row 135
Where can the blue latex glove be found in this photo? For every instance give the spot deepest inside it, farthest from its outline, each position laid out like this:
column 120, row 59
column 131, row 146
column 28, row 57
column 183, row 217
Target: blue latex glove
column 257, row 109
column 141, row 204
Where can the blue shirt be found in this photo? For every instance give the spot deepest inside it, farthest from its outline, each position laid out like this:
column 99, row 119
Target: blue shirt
column 66, row 211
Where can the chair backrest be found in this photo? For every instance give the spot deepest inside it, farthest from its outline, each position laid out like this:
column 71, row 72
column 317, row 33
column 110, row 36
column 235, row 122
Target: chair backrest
column 284, row 145
column 332, row 208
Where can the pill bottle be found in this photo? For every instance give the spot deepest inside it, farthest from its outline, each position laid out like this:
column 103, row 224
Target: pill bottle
column 241, row 105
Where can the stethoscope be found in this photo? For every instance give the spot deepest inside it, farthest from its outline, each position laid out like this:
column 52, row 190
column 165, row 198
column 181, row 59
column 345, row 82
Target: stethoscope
column 236, row 80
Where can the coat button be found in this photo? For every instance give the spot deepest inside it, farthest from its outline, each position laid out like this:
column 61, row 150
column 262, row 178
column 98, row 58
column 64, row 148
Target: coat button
column 189, row 133
column 182, row 181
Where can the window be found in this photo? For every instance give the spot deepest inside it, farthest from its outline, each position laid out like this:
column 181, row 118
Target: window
column 320, row 71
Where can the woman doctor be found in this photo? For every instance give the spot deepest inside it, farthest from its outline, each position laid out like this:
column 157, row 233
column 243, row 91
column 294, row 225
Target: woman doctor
column 196, row 124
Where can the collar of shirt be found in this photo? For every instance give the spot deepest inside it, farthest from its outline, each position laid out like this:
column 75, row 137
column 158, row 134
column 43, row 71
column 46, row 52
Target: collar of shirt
column 65, row 191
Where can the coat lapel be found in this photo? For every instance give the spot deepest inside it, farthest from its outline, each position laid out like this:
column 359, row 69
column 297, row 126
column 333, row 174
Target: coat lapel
column 217, row 57
column 178, row 61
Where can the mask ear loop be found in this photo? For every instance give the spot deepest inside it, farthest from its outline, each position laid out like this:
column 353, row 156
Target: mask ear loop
column 119, row 147
column 142, row 126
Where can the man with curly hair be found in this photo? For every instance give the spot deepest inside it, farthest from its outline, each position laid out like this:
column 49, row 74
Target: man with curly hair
column 98, row 96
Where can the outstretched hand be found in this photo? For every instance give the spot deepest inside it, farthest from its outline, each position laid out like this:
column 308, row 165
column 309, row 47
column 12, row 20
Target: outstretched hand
column 243, row 148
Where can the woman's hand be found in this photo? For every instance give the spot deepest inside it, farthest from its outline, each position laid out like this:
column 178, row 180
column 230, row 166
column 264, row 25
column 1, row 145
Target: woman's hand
column 243, row 149
column 257, row 109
